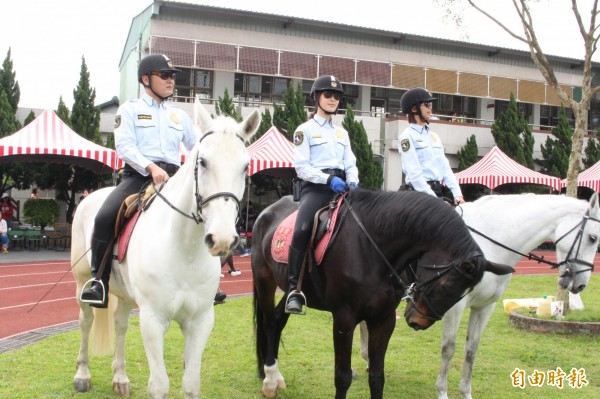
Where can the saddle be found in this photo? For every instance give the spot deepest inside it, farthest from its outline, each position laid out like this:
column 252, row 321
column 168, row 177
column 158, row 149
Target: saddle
column 322, row 236
column 128, row 215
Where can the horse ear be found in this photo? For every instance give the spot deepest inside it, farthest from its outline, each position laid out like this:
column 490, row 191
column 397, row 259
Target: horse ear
column 250, row 124
column 594, row 203
column 202, row 118
column 498, row 269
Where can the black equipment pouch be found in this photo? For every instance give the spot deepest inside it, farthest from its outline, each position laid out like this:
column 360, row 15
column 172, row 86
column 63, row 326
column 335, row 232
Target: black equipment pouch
column 296, row 188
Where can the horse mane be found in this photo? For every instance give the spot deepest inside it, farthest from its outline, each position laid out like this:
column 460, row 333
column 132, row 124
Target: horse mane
column 420, row 215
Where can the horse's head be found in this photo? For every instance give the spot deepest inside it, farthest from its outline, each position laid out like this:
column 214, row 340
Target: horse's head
column 221, row 161
column 576, row 239
column 435, row 287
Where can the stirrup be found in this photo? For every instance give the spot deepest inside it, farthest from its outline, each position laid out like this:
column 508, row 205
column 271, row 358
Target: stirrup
column 93, row 301
column 303, row 305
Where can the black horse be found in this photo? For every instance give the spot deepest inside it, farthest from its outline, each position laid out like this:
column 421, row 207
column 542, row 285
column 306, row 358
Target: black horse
column 411, row 245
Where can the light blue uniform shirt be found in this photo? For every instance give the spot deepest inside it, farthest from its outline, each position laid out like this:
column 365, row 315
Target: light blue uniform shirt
column 319, row 144
column 423, row 160
column 146, row 132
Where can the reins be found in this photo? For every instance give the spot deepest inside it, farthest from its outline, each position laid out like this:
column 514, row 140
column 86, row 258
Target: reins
column 555, row 265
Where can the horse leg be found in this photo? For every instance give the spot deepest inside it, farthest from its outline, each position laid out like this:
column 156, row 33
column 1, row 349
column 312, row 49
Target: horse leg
column 379, row 336
column 274, row 322
column 344, row 324
column 153, row 333
column 477, row 321
column 196, row 331
column 451, row 323
column 83, row 379
column 120, row 381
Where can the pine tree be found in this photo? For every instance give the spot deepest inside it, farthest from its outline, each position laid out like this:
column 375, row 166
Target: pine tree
column 226, row 107
column 513, row 135
column 292, row 114
column 467, row 155
column 592, row 153
column 30, row 118
column 556, row 151
column 85, row 116
column 8, row 120
column 8, row 83
column 265, row 124
column 370, row 172
column 63, row 112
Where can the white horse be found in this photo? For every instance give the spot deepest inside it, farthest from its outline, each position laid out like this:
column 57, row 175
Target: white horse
column 521, row 223
column 172, row 268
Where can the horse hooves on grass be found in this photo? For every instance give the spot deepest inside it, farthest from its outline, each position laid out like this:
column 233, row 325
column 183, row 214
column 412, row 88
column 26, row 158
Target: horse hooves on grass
column 122, row 389
column 82, row 385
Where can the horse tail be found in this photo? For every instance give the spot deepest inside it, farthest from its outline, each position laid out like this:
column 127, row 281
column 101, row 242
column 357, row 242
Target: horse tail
column 259, row 330
column 103, row 328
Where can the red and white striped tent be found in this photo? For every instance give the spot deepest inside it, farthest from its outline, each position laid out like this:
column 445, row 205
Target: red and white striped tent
column 273, row 154
column 497, row 168
column 49, row 139
column 589, row 178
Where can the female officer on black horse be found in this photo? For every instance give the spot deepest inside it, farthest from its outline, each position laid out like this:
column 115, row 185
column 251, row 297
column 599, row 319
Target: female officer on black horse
column 324, row 161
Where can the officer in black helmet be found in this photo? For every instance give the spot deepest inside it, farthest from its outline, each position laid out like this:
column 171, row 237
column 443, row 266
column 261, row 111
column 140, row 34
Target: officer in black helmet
column 324, row 161
column 423, row 160
column 148, row 133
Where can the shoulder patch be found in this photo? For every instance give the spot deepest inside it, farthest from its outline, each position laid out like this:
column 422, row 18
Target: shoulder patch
column 117, row 121
column 298, row 137
column 405, row 145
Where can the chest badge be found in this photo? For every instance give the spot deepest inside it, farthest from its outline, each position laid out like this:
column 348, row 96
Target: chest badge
column 174, row 117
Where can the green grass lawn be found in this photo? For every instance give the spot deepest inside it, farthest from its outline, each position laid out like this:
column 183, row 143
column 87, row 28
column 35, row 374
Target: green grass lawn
column 46, row 369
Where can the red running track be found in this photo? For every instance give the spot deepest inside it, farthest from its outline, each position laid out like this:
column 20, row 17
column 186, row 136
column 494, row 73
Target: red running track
column 23, row 284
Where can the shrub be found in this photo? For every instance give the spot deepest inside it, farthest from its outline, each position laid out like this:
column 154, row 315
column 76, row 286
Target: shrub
column 41, row 212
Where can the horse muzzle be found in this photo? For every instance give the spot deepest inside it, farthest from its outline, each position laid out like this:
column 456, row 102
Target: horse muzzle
column 221, row 245
column 417, row 318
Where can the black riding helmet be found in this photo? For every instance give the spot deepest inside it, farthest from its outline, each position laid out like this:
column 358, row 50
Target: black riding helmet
column 326, row 83
column 413, row 97
column 155, row 63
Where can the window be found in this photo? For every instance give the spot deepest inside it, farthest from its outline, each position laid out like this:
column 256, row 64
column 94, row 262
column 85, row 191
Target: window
column 190, row 83
column 254, row 89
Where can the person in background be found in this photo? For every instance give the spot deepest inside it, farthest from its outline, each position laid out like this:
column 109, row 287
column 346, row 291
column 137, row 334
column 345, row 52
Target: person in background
column 423, row 160
column 326, row 164
column 7, row 210
column 85, row 193
column 3, row 235
column 228, row 260
column 34, row 194
column 148, row 134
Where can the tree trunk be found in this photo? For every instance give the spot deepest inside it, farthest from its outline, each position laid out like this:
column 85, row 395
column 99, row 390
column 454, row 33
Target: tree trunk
column 581, row 115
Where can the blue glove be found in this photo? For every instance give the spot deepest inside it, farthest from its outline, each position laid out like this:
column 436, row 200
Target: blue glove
column 353, row 186
column 338, row 185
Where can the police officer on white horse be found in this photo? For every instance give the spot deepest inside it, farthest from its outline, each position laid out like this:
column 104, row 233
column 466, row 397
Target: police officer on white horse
column 148, row 132
column 423, row 160
column 325, row 162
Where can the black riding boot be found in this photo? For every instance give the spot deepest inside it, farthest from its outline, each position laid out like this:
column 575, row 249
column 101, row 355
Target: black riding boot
column 94, row 294
column 295, row 298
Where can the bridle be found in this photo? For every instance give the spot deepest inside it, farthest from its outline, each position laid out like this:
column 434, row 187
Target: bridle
column 200, row 201
column 569, row 259
column 410, row 289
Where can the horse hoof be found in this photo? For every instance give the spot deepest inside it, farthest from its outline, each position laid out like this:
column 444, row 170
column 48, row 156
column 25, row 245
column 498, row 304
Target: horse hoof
column 122, row 389
column 82, row 385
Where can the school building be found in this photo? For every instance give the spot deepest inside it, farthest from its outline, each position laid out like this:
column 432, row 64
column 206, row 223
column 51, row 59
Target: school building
column 255, row 56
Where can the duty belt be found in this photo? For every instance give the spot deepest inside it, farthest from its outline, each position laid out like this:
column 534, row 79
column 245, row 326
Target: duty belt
column 167, row 167
column 335, row 172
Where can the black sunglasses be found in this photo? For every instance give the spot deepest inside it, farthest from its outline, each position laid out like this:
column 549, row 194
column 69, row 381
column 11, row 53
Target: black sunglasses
column 329, row 94
column 164, row 75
